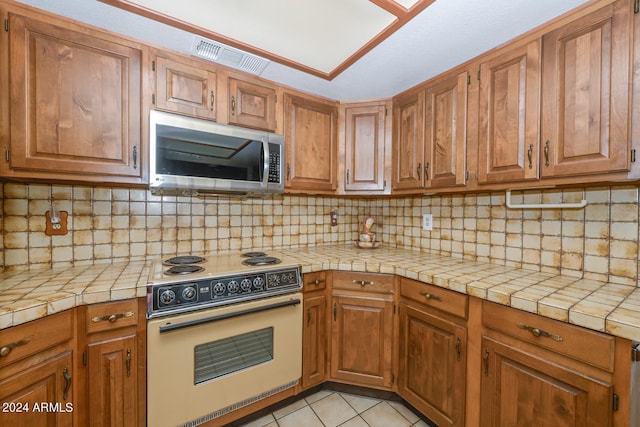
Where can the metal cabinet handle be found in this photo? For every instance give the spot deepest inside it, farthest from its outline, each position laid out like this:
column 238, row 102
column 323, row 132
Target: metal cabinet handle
column 429, row 296
column 335, row 311
column 546, row 152
column 5, row 350
column 112, row 318
column 308, row 316
column 213, row 98
column 426, row 171
column 135, row 157
column 539, row 332
column 67, row 383
column 363, row 282
column 288, row 171
column 485, row 362
column 530, row 155
column 458, row 345
column 315, row 282
column 348, row 180
column 128, row 362
column 233, row 105
column 418, row 170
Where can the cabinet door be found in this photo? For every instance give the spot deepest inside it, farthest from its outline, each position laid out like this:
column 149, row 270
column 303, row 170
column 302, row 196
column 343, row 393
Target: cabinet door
column 365, row 130
column 585, row 94
column 314, row 341
column 521, row 389
column 311, row 144
column 432, row 365
column 446, row 132
column 510, row 116
column 75, row 104
column 112, row 378
column 252, row 105
column 186, row 89
column 23, row 395
column 361, row 341
column 408, row 141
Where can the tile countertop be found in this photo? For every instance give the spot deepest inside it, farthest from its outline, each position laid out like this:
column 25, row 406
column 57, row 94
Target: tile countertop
column 601, row 306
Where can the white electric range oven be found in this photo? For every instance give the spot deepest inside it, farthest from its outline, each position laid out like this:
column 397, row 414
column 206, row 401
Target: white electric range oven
column 223, row 332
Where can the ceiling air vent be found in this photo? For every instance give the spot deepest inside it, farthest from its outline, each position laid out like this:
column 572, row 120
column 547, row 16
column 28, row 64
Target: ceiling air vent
column 229, row 56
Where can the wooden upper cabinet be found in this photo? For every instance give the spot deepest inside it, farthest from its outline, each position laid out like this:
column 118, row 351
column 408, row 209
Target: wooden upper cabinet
column 446, row 132
column 585, row 94
column 311, row 143
column 252, row 105
column 408, row 141
column 429, row 135
column 75, row 105
column 509, row 118
column 365, row 141
column 185, row 88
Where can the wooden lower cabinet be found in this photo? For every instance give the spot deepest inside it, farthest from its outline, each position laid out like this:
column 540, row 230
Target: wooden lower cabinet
column 538, row 371
column 432, row 362
column 433, row 351
column 519, row 389
column 112, row 361
column 37, row 376
column 315, row 343
column 362, row 340
column 39, row 396
column 112, row 382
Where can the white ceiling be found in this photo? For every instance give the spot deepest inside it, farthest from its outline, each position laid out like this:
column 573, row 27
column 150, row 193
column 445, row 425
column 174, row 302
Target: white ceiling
column 321, row 34
column 317, row 34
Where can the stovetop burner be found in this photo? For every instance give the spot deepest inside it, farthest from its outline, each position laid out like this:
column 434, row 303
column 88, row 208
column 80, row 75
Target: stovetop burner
column 184, row 269
column 261, row 260
column 253, row 254
column 184, row 259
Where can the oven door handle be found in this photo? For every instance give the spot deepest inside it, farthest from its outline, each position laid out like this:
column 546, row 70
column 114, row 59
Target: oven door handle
column 174, row 326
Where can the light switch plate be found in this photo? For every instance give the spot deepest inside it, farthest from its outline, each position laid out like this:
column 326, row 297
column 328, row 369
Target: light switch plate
column 427, row 222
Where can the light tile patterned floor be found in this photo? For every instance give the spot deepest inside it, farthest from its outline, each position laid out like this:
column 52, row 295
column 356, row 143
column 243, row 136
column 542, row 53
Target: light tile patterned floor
column 328, row 408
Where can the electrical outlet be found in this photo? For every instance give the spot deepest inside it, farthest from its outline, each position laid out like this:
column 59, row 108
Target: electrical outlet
column 427, row 222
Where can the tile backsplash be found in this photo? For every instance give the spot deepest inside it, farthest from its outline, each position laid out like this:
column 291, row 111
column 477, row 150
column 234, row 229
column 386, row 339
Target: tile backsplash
column 599, row 241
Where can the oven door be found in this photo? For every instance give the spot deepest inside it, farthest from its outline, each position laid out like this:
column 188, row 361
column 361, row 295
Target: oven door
column 204, row 364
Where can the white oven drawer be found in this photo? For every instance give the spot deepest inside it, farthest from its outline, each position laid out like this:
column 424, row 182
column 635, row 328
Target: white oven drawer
column 202, row 364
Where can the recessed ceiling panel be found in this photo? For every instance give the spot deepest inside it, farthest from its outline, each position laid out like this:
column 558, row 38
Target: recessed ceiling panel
column 317, row 34
column 406, row 3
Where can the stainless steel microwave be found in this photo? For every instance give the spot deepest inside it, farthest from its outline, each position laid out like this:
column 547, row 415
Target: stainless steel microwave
column 190, row 156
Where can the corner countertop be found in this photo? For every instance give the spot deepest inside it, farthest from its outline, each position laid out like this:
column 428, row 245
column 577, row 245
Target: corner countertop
column 606, row 307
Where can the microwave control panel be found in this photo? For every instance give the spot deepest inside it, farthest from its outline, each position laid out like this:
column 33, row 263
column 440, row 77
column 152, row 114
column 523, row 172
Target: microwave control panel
column 274, row 165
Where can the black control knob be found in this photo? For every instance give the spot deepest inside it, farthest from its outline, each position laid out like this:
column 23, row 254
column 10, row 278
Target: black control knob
column 218, row 288
column 233, row 287
column 167, row 296
column 245, row 285
column 189, row 293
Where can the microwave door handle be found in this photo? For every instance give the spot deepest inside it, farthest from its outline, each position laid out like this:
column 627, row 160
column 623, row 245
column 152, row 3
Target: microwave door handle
column 265, row 165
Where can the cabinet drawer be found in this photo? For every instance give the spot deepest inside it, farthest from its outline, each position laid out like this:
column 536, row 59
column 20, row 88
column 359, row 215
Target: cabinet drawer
column 434, row 296
column 582, row 344
column 30, row 338
column 314, row 281
column 111, row 315
column 369, row 282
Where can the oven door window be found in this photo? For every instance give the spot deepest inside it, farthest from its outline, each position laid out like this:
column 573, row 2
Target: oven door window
column 222, row 357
